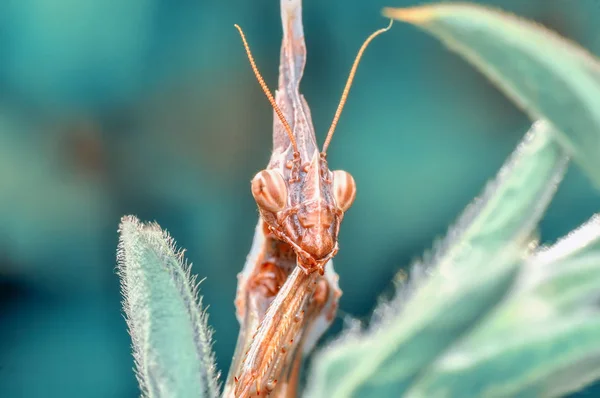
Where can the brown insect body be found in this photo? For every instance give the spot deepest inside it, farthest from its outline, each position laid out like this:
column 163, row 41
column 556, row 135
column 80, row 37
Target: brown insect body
column 301, row 204
column 279, row 318
column 310, row 218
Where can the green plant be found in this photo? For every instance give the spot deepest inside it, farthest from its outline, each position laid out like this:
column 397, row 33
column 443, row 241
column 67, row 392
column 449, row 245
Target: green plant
column 171, row 339
column 488, row 313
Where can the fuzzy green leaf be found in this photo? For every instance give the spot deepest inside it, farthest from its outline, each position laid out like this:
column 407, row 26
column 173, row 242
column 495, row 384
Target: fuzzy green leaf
column 171, row 339
column 546, row 75
column 468, row 274
column 542, row 341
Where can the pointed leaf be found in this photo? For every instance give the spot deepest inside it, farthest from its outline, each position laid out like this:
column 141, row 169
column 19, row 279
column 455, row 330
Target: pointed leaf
column 468, row 275
column 171, row 340
column 542, row 341
column 546, row 75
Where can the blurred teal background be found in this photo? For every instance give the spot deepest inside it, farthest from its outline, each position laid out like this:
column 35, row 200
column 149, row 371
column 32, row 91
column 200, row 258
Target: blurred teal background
column 149, row 107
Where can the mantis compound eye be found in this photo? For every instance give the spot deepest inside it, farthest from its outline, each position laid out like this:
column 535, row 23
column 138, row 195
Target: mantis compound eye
column 344, row 189
column 269, row 190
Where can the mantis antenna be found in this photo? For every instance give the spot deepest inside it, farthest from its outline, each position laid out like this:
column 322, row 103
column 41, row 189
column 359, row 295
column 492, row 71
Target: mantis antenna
column 267, row 92
column 340, row 107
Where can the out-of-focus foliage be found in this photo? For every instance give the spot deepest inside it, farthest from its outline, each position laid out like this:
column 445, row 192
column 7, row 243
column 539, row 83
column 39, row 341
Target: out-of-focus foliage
column 546, row 75
column 168, row 326
column 468, row 274
column 468, row 329
column 543, row 339
column 149, row 108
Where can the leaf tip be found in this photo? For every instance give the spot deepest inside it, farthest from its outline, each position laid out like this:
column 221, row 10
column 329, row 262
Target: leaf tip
column 128, row 223
column 413, row 15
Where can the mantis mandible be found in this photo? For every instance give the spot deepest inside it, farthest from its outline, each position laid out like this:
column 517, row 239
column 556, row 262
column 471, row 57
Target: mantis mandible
column 288, row 292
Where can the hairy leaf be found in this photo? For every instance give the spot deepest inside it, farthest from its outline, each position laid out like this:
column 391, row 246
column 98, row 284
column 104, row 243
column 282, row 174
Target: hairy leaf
column 171, row 340
column 542, row 341
column 468, row 274
column 546, row 75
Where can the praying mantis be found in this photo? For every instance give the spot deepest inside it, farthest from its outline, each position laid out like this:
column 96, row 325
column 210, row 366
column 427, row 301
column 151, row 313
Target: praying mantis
column 288, row 292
